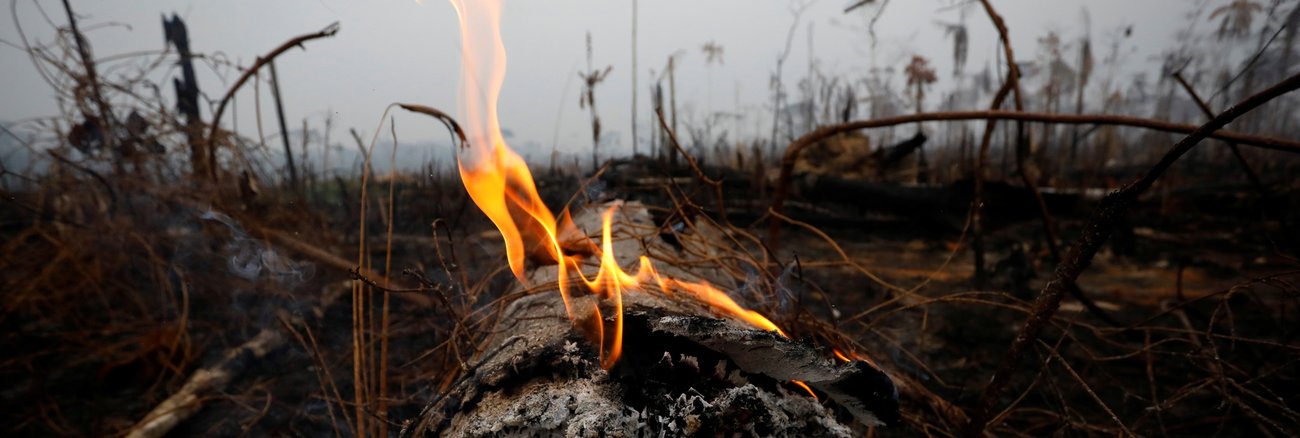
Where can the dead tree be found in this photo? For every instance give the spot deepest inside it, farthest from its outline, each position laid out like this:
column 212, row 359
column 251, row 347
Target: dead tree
column 284, row 129
column 590, row 79
column 187, row 92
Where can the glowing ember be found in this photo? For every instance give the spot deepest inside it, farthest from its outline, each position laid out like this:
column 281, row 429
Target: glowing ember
column 499, row 182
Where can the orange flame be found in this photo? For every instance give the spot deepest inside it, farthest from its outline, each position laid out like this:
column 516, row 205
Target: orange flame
column 500, row 184
column 855, row 356
column 611, row 281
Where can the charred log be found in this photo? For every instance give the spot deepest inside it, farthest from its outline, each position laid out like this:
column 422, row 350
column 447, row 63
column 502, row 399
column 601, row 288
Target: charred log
column 890, row 157
column 683, row 375
column 684, row 370
column 859, row 386
column 936, row 207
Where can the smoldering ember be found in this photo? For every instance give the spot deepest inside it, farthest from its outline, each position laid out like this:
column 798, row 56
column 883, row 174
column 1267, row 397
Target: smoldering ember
column 810, row 218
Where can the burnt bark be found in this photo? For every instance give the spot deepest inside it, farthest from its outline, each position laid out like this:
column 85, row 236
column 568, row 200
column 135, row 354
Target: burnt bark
column 187, row 92
column 542, row 377
column 684, row 370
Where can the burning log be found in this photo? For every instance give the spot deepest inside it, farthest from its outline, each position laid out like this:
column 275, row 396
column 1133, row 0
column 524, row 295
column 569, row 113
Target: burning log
column 695, row 361
column 685, row 367
column 858, row 386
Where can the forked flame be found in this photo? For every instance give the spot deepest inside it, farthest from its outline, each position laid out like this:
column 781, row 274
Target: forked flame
column 499, row 182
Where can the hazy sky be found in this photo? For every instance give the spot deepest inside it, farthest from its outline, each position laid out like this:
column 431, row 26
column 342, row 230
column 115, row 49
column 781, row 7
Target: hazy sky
column 404, row 51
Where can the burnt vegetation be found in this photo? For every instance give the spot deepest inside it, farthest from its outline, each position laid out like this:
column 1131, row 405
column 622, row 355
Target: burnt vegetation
column 1048, row 249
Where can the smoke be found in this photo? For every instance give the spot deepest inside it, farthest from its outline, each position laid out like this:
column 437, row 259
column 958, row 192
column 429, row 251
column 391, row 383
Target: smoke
column 753, row 287
column 598, row 190
column 788, row 288
column 252, row 260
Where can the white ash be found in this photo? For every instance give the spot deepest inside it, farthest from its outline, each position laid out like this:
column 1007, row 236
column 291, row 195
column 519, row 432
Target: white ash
column 690, row 361
column 591, row 408
column 511, row 394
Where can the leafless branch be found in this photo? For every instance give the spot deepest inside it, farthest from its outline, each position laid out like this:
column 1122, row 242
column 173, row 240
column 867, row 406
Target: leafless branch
column 297, row 41
column 1111, row 212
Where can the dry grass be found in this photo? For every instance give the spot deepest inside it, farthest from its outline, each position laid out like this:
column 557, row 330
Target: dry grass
column 125, row 272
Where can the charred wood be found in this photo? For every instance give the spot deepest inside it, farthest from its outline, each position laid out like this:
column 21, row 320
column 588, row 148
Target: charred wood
column 892, row 156
column 940, row 208
column 684, row 374
column 189, row 399
column 187, row 91
column 684, row 370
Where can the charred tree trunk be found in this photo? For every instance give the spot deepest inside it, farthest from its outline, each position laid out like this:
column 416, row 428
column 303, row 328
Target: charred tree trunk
column 683, row 370
column 284, row 128
column 187, row 93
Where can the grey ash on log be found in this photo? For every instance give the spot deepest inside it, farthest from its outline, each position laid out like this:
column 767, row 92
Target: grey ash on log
column 705, row 381
column 683, row 372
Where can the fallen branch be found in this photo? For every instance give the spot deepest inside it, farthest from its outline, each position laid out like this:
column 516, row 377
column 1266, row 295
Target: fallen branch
column 297, row 41
column 188, row 400
column 1113, row 210
column 324, row 257
column 1236, row 151
column 310, row 251
column 811, row 138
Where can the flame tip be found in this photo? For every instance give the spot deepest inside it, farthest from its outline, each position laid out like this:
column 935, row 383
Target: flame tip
column 499, row 182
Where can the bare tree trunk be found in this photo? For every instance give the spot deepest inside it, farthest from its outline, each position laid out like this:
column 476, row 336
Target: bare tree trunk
column 672, row 101
column 635, row 140
column 187, row 93
column 284, row 129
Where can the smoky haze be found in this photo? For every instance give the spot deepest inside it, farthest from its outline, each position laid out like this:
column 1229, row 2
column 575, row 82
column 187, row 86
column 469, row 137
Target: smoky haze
column 404, row 51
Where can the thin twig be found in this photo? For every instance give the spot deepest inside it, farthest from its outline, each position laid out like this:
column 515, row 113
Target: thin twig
column 977, row 199
column 382, row 409
column 1086, row 388
column 690, row 160
column 441, row 116
column 1236, row 151
column 323, row 375
column 1251, row 63
column 336, row 262
column 112, row 194
column 906, row 295
column 106, row 124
